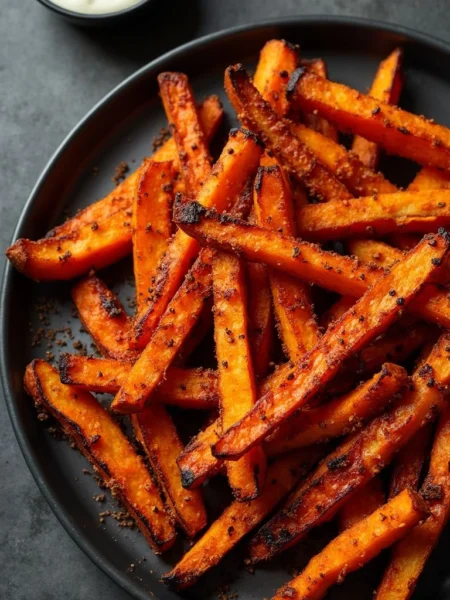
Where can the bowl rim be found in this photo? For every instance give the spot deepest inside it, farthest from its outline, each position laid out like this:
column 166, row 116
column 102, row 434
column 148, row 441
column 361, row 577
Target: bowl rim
column 74, row 15
column 25, row 444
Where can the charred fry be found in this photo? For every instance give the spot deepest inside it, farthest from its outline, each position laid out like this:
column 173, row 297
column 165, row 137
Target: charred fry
column 278, row 136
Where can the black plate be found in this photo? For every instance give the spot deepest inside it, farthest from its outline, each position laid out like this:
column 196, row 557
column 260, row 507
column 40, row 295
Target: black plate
column 121, row 127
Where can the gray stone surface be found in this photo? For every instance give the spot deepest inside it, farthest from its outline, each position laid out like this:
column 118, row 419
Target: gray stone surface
column 51, row 74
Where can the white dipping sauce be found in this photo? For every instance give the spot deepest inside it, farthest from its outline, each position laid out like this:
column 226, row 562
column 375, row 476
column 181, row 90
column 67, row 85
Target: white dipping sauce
column 95, row 7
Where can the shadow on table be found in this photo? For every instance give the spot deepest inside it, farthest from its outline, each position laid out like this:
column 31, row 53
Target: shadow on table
column 164, row 26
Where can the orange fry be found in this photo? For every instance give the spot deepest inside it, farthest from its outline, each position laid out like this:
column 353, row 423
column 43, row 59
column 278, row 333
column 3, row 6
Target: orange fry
column 396, row 130
column 101, row 440
column 318, row 65
column 156, row 431
column 260, row 318
column 277, row 134
column 387, row 87
column 186, row 388
column 185, row 125
column 152, row 224
column 382, row 214
column 90, row 247
column 303, row 260
column 104, row 317
column 236, row 381
column 292, row 302
column 277, row 60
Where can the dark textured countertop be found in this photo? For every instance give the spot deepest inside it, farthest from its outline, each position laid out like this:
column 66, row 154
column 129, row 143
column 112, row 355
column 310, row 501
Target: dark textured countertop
column 51, row 74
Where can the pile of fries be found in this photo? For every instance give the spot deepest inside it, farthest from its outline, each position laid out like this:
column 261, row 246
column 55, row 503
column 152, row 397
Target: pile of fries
column 234, row 247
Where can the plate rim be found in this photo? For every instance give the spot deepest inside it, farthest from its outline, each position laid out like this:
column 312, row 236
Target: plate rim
column 25, row 445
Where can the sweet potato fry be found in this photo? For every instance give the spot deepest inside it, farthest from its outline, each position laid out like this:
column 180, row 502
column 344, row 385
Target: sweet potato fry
column 345, row 165
column 197, row 462
column 157, row 433
column 237, row 388
column 100, row 234
column 104, row 317
column 378, row 307
column 260, row 318
column 152, row 224
column 387, row 87
column 410, row 555
column 185, row 125
column 186, row 388
column 210, row 113
column 101, row 440
column 364, row 502
column 375, row 252
column 238, row 161
column 429, row 178
column 382, row 214
column 356, row 546
column 240, row 518
column 318, row 65
column 292, row 302
column 408, row 463
column 396, row 130
column 175, row 325
column 306, row 261
column 276, row 133
column 90, row 247
column 339, row 416
column 278, row 59
column 352, row 467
